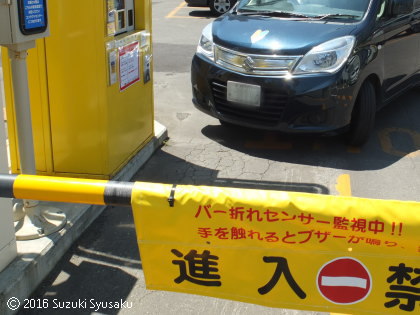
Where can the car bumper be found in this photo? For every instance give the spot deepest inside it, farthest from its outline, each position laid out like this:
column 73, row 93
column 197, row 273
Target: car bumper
column 315, row 103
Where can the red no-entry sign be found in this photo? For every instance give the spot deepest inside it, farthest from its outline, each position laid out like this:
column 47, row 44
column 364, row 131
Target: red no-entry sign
column 344, row 280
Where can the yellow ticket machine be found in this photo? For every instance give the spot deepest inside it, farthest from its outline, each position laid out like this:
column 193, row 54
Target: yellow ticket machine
column 91, row 88
column 123, row 11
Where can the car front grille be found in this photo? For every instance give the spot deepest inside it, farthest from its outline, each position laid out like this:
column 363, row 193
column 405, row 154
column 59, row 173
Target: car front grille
column 254, row 64
column 270, row 112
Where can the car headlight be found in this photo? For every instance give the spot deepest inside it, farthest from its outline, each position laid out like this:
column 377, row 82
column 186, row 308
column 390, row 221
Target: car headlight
column 327, row 57
column 205, row 45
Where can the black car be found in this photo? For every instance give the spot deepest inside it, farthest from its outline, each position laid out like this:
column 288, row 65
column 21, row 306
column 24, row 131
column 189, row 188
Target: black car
column 307, row 66
column 217, row 7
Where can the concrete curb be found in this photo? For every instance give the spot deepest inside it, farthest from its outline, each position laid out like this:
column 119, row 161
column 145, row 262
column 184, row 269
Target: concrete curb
column 36, row 258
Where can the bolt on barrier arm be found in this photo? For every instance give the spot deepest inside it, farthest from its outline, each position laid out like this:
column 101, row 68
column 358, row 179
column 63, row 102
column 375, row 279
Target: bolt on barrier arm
column 62, row 189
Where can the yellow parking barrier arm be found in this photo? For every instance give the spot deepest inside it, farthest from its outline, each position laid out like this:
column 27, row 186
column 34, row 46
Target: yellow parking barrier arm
column 62, row 189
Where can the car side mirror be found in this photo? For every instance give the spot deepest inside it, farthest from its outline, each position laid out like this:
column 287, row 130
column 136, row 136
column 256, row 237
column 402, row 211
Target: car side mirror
column 400, row 7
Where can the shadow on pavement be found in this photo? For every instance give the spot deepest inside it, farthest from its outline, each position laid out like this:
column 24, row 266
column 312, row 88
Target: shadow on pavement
column 100, row 287
column 396, row 135
column 101, row 266
column 202, row 14
column 169, row 169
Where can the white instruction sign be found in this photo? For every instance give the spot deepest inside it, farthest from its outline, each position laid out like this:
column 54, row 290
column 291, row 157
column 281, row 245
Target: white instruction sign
column 129, row 65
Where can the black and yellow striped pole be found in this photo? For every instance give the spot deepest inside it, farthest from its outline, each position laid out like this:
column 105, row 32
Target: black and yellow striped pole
column 62, row 189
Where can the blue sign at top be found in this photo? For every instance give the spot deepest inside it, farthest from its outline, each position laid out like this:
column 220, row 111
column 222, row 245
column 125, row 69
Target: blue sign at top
column 34, row 14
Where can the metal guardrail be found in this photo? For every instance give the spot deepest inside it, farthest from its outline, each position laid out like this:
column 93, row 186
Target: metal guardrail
column 62, row 189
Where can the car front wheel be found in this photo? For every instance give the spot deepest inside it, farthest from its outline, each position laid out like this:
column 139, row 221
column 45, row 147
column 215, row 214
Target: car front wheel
column 363, row 115
column 220, row 7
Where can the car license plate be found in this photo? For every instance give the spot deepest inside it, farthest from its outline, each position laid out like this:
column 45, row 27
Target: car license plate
column 243, row 93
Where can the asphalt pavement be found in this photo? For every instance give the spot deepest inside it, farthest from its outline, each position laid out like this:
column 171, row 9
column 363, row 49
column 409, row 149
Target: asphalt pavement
column 104, row 263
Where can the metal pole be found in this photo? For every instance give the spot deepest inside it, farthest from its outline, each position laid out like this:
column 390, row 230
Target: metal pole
column 23, row 111
column 34, row 221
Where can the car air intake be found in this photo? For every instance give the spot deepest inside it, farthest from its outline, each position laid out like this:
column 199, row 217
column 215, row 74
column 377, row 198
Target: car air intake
column 270, row 112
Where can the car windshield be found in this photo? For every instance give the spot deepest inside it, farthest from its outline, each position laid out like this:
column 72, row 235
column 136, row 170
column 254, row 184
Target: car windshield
column 301, row 9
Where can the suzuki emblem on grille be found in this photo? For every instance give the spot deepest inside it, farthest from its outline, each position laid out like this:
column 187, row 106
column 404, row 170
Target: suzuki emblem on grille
column 248, row 64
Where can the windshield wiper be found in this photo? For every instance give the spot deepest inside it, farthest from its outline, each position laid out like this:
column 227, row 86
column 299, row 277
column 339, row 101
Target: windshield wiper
column 336, row 15
column 271, row 13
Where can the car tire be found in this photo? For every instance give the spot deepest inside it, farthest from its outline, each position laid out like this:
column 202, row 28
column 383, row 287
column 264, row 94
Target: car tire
column 363, row 115
column 219, row 7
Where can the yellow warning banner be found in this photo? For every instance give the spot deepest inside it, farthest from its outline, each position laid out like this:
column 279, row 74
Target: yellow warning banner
column 281, row 249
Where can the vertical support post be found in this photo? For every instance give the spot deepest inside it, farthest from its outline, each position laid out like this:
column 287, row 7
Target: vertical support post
column 22, row 108
column 17, row 55
column 8, row 250
column 33, row 221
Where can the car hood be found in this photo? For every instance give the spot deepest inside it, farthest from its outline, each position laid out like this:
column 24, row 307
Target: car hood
column 274, row 35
